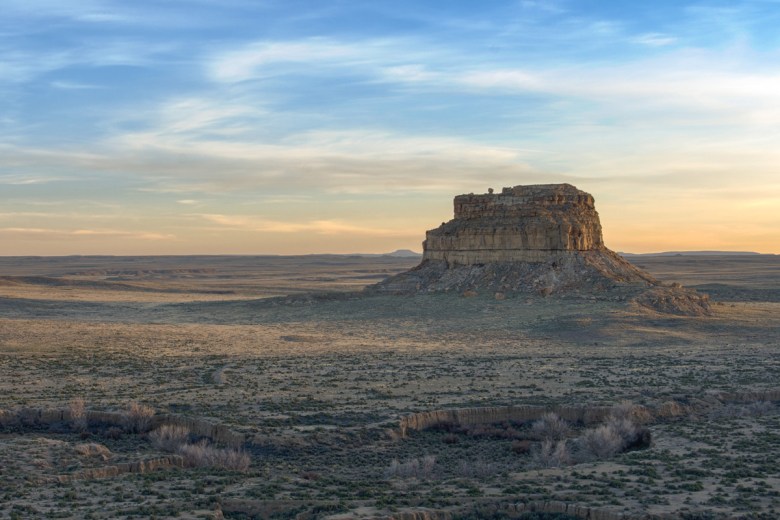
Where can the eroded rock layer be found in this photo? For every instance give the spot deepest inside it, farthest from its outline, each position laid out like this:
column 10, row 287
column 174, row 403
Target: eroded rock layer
column 542, row 239
column 520, row 224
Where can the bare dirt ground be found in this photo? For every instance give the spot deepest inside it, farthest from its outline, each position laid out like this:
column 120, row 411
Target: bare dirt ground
column 316, row 387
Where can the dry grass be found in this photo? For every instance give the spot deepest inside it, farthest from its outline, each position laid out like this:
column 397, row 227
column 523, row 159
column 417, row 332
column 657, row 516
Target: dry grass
column 169, row 437
column 671, row 410
column 419, row 468
column 599, row 443
column 550, row 427
column 551, row 454
column 315, row 385
column 93, row 449
column 618, row 434
column 756, row 409
column 202, row 455
column 637, row 414
column 174, row 439
column 138, row 418
column 77, row 410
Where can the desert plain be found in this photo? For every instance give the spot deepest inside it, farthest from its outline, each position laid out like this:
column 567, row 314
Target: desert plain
column 300, row 393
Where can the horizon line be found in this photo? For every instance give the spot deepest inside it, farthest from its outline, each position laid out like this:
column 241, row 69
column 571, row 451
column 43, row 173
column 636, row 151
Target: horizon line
column 390, row 253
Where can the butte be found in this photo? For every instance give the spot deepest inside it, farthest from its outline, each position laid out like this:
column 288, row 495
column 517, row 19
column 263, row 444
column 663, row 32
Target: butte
column 543, row 240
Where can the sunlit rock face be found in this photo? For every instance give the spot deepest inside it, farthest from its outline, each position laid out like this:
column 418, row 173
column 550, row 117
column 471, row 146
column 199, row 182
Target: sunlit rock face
column 520, row 224
column 542, row 240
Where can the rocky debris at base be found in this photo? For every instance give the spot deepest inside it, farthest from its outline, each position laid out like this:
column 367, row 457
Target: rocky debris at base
column 587, row 273
column 675, row 299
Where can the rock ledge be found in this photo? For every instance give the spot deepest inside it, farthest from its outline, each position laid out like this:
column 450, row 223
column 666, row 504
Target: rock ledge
column 541, row 239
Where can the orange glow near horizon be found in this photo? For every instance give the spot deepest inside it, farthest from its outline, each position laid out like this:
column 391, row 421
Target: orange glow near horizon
column 351, row 128
column 631, row 228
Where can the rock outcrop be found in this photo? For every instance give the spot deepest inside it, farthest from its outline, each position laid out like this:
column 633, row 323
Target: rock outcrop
column 542, row 239
column 521, row 224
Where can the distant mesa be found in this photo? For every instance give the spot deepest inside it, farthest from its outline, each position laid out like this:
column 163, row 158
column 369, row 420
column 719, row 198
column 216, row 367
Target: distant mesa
column 403, row 253
column 543, row 239
column 398, row 253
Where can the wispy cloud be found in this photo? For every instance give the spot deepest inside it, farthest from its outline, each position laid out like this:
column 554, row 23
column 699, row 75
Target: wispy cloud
column 50, row 8
column 103, row 17
column 321, row 227
column 368, row 56
column 43, row 233
column 20, row 65
column 199, row 114
column 73, row 85
column 655, row 39
column 352, row 161
column 247, row 62
column 683, row 103
column 26, row 179
column 684, row 79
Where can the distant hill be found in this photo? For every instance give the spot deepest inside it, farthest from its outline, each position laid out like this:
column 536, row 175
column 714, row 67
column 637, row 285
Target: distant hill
column 694, row 253
column 400, row 253
column 404, row 253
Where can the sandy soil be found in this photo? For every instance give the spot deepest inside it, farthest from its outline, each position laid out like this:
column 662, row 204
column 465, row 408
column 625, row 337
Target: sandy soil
column 317, row 384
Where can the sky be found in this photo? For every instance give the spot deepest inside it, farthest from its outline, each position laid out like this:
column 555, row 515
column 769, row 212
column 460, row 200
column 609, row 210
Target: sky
column 342, row 126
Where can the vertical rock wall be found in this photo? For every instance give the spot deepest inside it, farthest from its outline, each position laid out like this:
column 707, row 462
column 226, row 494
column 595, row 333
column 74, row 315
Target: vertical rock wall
column 520, row 224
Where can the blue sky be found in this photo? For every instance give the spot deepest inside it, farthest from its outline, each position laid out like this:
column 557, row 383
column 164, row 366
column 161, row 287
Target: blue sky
column 242, row 126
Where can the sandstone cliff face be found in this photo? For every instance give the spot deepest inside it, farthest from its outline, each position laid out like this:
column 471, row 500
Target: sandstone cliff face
column 520, row 224
column 543, row 239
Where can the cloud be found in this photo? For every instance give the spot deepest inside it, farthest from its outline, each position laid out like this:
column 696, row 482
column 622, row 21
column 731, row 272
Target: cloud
column 679, row 87
column 517, row 80
column 103, row 17
column 188, row 139
column 411, row 73
column 72, row 85
column 655, row 39
column 22, row 64
column 368, row 57
column 196, row 114
column 24, row 181
column 50, row 8
column 320, row 227
column 183, row 161
column 711, row 83
column 247, row 62
column 638, row 117
column 87, row 12
column 18, row 214
column 47, row 233
column 144, row 235
column 33, row 231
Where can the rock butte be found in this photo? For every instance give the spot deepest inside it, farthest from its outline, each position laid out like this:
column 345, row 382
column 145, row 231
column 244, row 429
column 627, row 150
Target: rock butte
column 520, row 224
column 543, row 239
